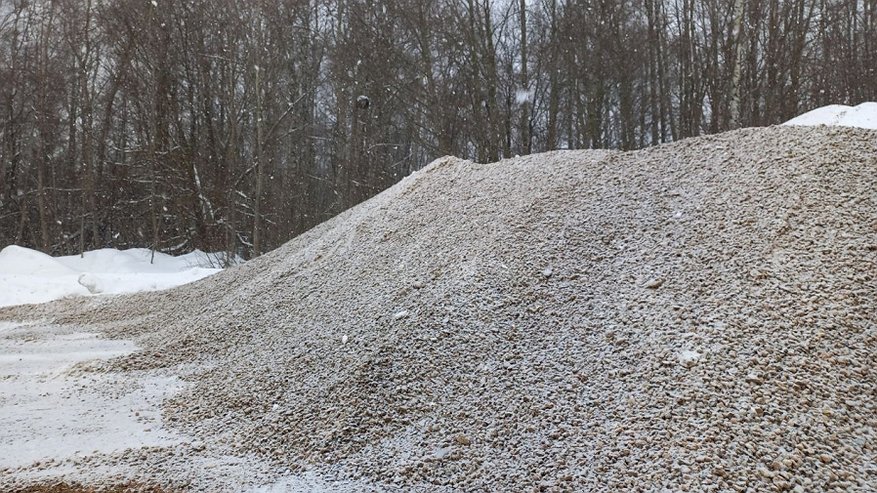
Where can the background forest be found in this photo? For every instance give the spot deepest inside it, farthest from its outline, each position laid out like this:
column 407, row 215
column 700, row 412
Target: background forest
column 233, row 125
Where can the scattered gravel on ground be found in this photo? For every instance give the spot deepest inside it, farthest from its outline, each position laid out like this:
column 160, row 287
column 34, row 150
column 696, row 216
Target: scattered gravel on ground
column 699, row 316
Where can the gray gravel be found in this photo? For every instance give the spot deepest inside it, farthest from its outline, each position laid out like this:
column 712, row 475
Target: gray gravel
column 699, row 316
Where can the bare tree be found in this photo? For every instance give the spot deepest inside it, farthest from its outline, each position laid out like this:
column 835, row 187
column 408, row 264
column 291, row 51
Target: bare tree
column 129, row 123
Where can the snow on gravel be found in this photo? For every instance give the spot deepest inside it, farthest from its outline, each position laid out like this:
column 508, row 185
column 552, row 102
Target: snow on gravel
column 48, row 412
column 698, row 316
column 60, row 418
column 28, row 276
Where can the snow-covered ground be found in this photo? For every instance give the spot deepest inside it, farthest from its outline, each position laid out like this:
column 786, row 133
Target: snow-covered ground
column 49, row 412
column 29, row 276
column 861, row 116
column 55, row 414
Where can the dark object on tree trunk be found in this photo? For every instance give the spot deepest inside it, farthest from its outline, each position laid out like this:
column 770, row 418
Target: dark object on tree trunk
column 362, row 102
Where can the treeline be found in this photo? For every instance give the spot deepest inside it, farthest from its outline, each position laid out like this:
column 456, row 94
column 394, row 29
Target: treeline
column 235, row 124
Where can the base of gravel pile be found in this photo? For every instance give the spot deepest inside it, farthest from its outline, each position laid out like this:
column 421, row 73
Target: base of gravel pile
column 699, row 316
column 61, row 487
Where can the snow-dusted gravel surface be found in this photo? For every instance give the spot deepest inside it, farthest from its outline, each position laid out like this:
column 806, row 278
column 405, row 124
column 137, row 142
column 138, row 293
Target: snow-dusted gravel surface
column 47, row 410
column 700, row 316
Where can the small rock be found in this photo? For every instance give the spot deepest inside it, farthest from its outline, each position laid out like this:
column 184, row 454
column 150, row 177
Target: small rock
column 689, row 358
column 655, row 283
column 781, row 484
column 442, row 453
column 462, row 439
column 754, row 378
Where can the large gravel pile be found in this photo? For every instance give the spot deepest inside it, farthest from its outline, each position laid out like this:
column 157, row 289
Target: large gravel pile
column 699, row 316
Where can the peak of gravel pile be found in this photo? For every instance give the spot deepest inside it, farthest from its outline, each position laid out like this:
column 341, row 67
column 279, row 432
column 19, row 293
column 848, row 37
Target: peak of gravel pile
column 696, row 316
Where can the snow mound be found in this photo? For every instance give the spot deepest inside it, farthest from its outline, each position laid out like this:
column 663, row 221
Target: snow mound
column 29, row 276
column 861, row 116
column 19, row 260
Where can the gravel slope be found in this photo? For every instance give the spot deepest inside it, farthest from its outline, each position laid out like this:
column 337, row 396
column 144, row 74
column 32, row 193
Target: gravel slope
column 697, row 316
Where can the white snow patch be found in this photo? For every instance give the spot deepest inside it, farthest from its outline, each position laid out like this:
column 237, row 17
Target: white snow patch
column 48, row 413
column 10, row 325
column 29, row 276
column 861, row 116
column 312, row 482
column 441, row 453
column 689, row 357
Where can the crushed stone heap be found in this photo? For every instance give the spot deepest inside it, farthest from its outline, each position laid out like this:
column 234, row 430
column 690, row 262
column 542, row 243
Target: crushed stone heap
column 699, row 315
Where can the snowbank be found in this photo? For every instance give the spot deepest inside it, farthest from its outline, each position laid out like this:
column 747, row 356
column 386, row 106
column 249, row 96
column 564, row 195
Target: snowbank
column 29, row 276
column 861, row 116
